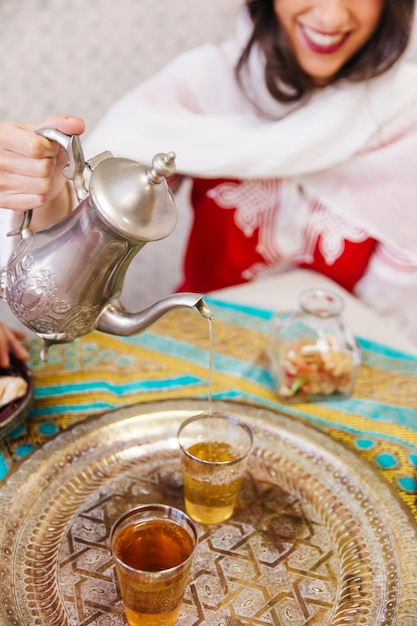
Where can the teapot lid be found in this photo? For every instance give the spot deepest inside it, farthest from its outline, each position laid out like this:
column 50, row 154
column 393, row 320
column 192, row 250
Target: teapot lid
column 134, row 199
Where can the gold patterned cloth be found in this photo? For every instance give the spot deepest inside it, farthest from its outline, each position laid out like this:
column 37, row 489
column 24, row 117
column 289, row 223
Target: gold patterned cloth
column 98, row 373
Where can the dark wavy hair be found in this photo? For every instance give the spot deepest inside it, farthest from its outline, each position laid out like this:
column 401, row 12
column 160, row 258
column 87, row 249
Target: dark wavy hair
column 284, row 78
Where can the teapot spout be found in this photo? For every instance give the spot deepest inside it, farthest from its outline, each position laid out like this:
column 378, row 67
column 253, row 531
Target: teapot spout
column 116, row 320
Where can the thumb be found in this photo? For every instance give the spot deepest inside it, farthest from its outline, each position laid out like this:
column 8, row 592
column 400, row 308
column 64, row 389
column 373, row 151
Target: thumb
column 68, row 124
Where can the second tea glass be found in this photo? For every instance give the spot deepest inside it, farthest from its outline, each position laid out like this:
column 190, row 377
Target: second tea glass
column 153, row 547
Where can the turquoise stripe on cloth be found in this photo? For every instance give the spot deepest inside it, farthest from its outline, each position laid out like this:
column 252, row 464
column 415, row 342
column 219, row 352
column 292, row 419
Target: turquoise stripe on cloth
column 377, row 411
column 117, row 390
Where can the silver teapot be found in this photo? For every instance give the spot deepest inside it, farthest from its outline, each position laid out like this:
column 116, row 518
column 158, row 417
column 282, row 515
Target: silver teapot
column 66, row 280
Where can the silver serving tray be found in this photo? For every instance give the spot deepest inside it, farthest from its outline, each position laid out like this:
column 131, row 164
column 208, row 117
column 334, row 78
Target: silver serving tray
column 318, row 536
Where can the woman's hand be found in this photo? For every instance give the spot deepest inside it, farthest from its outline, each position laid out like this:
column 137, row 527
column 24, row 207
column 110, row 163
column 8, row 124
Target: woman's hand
column 31, row 168
column 10, row 342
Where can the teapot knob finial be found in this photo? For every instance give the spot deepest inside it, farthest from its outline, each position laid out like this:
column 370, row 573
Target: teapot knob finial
column 163, row 164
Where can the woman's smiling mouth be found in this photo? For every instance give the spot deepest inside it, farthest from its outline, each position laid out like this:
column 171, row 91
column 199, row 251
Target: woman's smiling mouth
column 323, row 43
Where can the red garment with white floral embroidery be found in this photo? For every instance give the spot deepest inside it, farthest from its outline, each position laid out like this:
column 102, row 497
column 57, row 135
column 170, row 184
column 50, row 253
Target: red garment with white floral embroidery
column 245, row 229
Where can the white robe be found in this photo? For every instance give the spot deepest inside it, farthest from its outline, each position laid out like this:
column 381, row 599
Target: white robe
column 353, row 146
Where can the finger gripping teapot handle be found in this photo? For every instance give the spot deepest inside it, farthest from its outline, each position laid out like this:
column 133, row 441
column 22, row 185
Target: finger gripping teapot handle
column 75, row 169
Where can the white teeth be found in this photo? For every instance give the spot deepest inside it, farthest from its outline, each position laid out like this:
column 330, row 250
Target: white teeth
column 322, row 40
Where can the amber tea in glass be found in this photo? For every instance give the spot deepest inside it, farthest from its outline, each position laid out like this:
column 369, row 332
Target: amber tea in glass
column 153, row 546
column 214, row 451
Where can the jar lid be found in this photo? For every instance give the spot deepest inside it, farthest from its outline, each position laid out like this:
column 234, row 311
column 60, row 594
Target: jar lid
column 321, row 302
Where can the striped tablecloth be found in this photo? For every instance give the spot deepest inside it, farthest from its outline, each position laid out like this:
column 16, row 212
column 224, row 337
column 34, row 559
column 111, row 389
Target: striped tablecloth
column 98, row 373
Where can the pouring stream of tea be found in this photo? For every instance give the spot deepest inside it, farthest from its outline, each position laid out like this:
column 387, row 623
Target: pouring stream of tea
column 210, row 377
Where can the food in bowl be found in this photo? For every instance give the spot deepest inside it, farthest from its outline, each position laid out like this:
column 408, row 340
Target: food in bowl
column 12, row 388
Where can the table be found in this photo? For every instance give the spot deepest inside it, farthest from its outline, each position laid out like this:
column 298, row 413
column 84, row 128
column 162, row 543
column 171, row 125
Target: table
column 98, row 372
column 169, row 361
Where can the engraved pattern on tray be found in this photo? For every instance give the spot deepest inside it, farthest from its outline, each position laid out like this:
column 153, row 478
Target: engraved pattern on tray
column 317, row 538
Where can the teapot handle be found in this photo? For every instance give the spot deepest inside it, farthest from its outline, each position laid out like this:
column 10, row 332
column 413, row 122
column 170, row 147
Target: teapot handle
column 74, row 170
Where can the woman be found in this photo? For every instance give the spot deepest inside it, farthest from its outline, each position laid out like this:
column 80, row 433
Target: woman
column 300, row 136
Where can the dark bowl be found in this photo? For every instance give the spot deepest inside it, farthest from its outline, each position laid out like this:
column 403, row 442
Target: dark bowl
column 14, row 413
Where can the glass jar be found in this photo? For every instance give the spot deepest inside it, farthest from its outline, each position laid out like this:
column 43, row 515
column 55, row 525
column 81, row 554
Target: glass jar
column 313, row 354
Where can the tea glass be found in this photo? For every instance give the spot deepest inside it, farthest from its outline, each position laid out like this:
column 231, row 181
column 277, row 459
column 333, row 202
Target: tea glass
column 152, row 547
column 214, row 452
